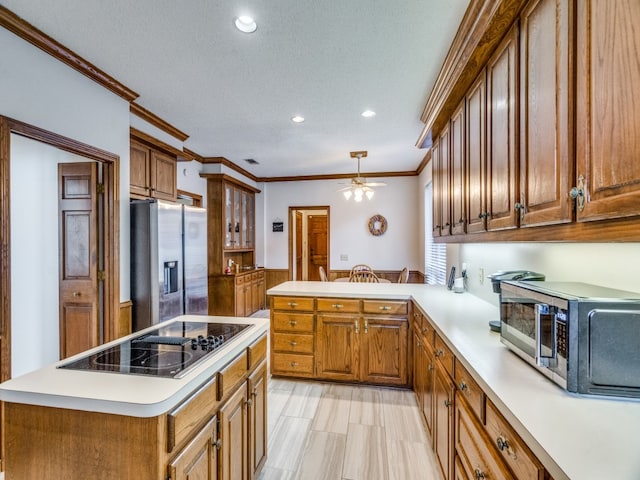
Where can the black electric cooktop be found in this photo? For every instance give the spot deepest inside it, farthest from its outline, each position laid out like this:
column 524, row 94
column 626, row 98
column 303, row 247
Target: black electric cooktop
column 168, row 351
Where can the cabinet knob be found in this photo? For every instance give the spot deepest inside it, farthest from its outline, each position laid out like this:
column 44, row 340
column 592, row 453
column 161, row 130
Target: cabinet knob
column 431, row 368
column 366, row 326
column 250, row 402
column 77, row 294
column 217, row 444
column 292, row 304
column 294, row 364
column 479, row 474
column 425, row 329
column 577, row 193
column 385, row 308
column 463, row 386
column 447, row 403
column 293, row 323
column 337, row 305
column 293, row 343
column 439, row 353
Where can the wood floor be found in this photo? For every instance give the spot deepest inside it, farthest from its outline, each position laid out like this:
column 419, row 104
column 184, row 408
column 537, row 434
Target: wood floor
column 343, row 432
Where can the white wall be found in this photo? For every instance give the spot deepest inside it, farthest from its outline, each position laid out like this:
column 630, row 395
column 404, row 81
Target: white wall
column 189, row 179
column 397, row 202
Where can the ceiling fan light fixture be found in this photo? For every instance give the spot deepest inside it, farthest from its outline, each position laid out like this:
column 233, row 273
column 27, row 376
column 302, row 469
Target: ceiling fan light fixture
column 245, row 24
column 347, row 194
column 359, row 187
column 369, row 194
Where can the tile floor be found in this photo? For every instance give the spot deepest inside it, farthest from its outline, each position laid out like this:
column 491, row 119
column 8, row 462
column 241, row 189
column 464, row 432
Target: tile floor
column 345, row 432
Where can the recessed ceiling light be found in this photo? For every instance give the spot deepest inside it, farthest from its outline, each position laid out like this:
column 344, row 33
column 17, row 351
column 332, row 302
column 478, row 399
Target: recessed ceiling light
column 245, row 24
column 368, row 113
column 297, row 119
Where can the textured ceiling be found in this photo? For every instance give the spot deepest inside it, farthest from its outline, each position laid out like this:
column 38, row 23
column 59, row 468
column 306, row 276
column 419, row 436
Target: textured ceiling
column 234, row 93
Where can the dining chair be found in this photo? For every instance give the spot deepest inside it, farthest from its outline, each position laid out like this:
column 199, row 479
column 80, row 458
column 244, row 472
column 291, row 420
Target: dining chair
column 364, row 276
column 404, row 275
column 361, row 267
column 323, row 274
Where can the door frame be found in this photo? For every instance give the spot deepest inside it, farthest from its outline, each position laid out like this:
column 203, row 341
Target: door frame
column 291, row 230
column 110, row 225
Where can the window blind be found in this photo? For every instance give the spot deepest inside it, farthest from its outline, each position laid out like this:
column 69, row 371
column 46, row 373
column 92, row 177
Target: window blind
column 435, row 254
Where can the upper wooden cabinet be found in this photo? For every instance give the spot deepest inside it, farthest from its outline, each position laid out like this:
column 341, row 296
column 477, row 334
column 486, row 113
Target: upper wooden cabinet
column 551, row 129
column 152, row 173
column 545, row 144
column 607, row 111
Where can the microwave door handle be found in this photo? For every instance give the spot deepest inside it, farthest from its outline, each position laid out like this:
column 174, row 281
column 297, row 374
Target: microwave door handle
column 538, row 336
column 542, row 317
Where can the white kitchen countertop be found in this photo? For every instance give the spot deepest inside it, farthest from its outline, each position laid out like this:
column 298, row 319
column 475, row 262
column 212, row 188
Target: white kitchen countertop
column 575, row 437
column 133, row 395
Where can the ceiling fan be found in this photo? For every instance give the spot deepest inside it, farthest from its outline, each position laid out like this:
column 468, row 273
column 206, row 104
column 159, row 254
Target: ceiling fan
column 359, row 186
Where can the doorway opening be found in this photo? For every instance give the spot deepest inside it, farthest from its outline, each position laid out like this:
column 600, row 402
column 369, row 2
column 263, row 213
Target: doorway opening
column 308, row 242
column 81, row 250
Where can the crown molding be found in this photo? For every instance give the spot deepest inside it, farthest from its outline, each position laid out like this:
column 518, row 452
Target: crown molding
column 425, row 161
column 154, row 142
column 44, row 42
column 337, row 176
column 156, row 121
column 231, row 165
column 229, row 179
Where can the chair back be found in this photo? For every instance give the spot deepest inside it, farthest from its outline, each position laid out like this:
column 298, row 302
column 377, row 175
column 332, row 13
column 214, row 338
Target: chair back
column 361, row 267
column 404, row 275
column 364, row 277
column 323, row 274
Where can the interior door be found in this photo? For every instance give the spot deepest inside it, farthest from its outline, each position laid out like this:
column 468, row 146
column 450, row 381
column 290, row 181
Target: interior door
column 78, row 268
column 317, row 244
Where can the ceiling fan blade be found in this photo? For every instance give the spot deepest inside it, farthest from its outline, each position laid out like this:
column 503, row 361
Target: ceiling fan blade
column 344, row 189
column 376, row 184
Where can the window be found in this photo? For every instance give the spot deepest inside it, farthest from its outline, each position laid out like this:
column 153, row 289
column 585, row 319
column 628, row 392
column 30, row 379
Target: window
column 435, row 254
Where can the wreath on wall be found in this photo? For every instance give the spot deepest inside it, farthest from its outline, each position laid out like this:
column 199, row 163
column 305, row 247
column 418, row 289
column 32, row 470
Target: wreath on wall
column 377, row 225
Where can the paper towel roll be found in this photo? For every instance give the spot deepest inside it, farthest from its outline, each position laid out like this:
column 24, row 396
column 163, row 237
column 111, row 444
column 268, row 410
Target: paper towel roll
column 458, row 285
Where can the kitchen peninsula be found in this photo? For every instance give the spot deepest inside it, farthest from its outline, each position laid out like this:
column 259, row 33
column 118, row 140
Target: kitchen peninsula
column 157, row 423
column 493, row 392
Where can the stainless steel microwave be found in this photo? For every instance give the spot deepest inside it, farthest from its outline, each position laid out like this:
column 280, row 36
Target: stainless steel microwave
column 584, row 337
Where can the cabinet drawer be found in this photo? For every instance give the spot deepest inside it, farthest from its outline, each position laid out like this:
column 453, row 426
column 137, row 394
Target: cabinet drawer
column 239, row 279
column 444, row 354
column 385, row 307
column 476, row 456
column 260, row 274
column 522, row 462
column 254, row 276
column 231, row 374
column 470, row 390
column 182, row 420
column 338, row 305
column 292, row 364
column 256, row 352
column 292, row 303
column 292, row 343
column 292, row 322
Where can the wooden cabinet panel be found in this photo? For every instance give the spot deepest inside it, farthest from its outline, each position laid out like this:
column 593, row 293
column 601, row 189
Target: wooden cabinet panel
column 338, row 305
column 511, row 448
column 163, row 176
column 185, row 417
column 607, row 116
column 199, row 459
column 437, row 177
column 257, row 391
column 292, row 343
column 443, row 412
column 385, row 307
column 444, row 355
column 292, row 322
column 292, row 303
column 443, row 170
column 476, row 456
column 337, row 347
column 292, row 364
column 458, row 170
column 139, row 174
column 469, row 390
column 383, row 354
column 233, row 455
column 476, row 209
column 423, row 381
column 501, row 134
column 545, row 145
column 231, row 374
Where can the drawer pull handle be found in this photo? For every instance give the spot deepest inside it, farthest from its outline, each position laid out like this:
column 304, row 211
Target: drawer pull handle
column 479, row 474
column 431, row 368
column 249, row 402
column 293, row 323
column 293, row 343
column 447, row 403
column 418, row 344
column 425, row 329
column 463, row 386
column 217, row 444
column 292, row 304
column 337, row 305
column 366, row 326
column 439, row 353
column 294, row 364
column 385, row 308
column 357, row 327
column 504, row 445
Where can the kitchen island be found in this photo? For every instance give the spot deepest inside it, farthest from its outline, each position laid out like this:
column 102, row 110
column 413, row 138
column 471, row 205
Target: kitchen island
column 573, row 437
column 72, row 423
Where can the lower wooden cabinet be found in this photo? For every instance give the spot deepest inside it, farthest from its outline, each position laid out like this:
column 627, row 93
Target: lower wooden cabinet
column 443, row 416
column 257, row 392
column 423, row 380
column 199, row 459
column 239, row 295
column 343, row 339
column 234, row 452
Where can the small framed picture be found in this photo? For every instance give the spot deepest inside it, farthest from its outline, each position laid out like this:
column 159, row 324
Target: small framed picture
column 452, row 278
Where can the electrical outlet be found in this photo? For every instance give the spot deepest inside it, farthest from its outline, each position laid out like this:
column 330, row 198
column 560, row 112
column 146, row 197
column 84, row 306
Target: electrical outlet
column 481, row 275
column 344, row 257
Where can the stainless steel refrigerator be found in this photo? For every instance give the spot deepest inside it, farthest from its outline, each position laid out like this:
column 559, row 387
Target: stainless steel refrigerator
column 168, row 261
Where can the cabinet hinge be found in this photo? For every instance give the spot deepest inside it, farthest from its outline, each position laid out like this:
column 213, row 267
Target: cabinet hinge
column 102, row 276
column 100, row 188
